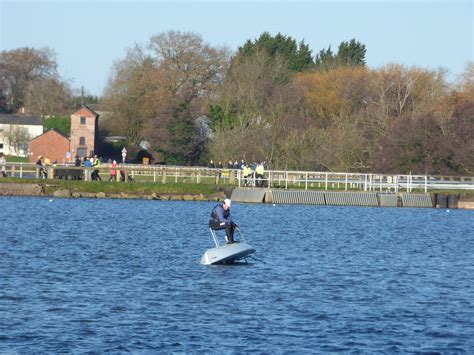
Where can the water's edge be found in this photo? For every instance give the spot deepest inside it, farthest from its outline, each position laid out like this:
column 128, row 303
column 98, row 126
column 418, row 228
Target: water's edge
column 462, row 201
column 38, row 190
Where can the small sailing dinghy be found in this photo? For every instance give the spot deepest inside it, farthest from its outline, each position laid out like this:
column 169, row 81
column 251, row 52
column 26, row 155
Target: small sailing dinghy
column 227, row 253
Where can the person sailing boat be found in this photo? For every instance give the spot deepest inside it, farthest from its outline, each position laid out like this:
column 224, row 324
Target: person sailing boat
column 220, row 219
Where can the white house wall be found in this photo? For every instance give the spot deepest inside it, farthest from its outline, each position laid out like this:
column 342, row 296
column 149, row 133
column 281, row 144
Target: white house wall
column 33, row 131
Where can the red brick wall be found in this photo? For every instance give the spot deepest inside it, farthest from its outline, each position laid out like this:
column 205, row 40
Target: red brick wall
column 50, row 144
column 87, row 130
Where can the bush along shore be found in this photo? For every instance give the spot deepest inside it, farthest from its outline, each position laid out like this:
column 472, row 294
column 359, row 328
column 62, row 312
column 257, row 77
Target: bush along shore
column 78, row 189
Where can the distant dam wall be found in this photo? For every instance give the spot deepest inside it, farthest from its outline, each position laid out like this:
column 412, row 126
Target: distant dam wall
column 348, row 198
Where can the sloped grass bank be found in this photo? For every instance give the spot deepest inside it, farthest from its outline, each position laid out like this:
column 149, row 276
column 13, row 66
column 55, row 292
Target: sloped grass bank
column 66, row 188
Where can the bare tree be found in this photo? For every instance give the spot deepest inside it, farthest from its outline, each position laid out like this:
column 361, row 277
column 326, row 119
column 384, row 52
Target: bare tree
column 47, row 97
column 126, row 94
column 18, row 138
column 400, row 90
column 467, row 81
column 163, row 86
column 20, row 67
column 263, row 105
column 188, row 64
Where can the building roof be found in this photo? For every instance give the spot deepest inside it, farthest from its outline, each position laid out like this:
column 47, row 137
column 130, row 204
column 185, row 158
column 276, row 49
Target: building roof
column 99, row 107
column 86, row 111
column 52, row 130
column 20, row 120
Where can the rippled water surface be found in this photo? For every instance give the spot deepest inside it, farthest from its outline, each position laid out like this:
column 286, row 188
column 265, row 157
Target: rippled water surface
column 120, row 275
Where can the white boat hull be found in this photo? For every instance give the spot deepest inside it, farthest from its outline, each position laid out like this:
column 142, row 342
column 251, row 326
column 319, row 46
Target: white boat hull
column 226, row 253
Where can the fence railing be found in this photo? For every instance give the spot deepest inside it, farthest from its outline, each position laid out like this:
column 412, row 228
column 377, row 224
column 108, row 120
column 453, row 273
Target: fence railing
column 270, row 179
column 357, row 181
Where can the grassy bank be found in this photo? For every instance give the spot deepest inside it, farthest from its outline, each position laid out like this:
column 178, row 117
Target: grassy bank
column 140, row 188
column 180, row 188
column 14, row 159
column 132, row 188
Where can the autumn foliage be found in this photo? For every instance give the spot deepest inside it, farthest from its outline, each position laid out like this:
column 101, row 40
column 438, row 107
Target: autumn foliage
column 275, row 101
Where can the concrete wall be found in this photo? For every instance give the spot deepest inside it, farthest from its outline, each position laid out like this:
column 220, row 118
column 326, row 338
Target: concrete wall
column 332, row 198
column 468, row 205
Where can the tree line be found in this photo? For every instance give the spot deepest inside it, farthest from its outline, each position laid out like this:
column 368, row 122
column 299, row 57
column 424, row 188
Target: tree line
column 272, row 100
column 30, row 84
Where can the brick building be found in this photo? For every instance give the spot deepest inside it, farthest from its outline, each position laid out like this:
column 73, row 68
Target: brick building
column 51, row 144
column 84, row 132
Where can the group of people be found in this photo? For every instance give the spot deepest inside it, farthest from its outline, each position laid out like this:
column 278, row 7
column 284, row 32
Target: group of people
column 230, row 165
column 254, row 173
column 95, row 162
column 251, row 173
column 233, row 165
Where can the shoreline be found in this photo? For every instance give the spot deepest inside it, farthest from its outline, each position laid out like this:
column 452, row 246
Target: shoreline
column 171, row 192
column 46, row 189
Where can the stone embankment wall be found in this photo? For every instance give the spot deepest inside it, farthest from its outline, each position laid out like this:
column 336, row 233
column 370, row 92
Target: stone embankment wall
column 218, row 196
column 353, row 198
column 467, row 205
column 12, row 189
column 447, row 200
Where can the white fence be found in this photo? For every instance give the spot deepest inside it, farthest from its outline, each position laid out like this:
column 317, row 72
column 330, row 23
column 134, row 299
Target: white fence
column 271, row 178
column 355, row 181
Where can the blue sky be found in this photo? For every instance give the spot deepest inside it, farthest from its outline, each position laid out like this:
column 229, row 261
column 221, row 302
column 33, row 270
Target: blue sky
column 88, row 36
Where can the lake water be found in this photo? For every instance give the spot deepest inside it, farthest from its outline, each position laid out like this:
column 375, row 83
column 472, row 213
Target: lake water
column 124, row 275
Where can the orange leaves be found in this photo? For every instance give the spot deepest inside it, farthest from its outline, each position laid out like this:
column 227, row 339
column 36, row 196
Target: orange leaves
column 329, row 94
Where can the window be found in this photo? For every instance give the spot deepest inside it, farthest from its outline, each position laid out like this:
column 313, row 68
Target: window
column 83, row 120
column 82, row 140
column 1, row 145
